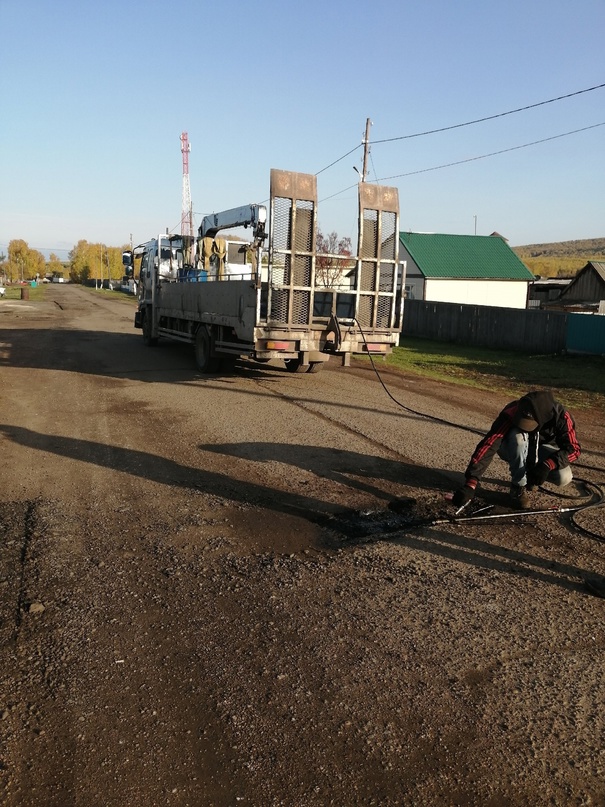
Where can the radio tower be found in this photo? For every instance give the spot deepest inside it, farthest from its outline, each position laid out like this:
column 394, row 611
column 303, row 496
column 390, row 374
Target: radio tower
column 187, row 211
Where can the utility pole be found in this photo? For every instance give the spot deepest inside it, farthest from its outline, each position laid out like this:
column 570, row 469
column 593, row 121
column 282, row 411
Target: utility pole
column 366, row 150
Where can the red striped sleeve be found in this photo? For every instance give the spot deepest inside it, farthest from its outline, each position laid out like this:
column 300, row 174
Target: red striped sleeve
column 573, row 438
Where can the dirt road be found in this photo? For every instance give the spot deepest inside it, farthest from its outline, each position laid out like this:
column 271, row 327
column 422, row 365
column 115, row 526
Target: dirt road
column 194, row 612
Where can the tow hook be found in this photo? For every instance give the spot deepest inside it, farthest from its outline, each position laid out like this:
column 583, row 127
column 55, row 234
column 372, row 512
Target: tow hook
column 333, row 329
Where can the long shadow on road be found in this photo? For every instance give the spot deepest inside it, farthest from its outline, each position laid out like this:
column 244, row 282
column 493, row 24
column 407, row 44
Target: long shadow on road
column 461, row 549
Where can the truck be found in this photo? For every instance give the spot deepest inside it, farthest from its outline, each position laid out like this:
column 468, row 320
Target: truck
column 272, row 295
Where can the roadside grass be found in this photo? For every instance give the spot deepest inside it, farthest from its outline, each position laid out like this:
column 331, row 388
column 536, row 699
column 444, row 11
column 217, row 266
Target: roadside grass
column 575, row 380
column 111, row 294
column 36, row 293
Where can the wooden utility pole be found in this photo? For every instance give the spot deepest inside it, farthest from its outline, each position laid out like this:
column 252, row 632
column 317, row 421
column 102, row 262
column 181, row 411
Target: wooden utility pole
column 366, row 150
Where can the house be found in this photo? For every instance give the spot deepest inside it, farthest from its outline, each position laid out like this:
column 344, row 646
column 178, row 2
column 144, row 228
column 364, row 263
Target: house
column 545, row 290
column 586, row 290
column 469, row 269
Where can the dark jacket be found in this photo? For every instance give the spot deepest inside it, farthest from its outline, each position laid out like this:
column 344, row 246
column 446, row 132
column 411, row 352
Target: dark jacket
column 555, row 425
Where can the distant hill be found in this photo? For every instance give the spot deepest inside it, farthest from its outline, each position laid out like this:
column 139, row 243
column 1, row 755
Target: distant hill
column 561, row 258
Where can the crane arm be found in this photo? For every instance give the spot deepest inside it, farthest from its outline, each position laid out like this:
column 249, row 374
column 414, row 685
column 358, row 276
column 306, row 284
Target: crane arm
column 254, row 216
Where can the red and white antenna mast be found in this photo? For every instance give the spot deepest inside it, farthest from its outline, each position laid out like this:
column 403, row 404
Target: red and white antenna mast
column 186, row 210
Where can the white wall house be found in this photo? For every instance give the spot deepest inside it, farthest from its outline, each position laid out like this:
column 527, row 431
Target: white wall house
column 472, row 270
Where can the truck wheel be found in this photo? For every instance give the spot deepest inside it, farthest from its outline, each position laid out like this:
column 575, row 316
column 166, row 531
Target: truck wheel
column 150, row 341
column 296, row 366
column 315, row 366
column 206, row 363
column 228, row 364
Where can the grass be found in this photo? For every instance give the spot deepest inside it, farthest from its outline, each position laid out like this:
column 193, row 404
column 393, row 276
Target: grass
column 36, row 293
column 577, row 381
column 111, row 294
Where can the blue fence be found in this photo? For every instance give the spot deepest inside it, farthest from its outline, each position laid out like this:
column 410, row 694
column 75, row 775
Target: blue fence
column 585, row 333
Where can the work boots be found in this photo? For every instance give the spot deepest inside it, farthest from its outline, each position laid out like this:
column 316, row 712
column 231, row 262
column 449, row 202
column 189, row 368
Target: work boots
column 519, row 497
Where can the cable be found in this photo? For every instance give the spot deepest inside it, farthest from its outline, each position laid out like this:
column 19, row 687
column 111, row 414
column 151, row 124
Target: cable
column 407, row 408
column 471, row 159
column 575, row 511
column 460, row 125
column 459, row 426
column 493, row 153
column 338, row 160
column 489, row 117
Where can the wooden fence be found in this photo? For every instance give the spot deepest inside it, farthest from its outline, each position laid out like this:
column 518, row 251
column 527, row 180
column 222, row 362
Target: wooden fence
column 530, row 330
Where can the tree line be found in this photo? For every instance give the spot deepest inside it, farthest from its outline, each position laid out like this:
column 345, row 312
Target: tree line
column 86, row 262
column 561, row 258
column 97, row 262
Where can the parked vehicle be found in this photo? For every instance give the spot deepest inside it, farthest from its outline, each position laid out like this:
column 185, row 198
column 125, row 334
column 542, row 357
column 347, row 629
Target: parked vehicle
column 265, row 298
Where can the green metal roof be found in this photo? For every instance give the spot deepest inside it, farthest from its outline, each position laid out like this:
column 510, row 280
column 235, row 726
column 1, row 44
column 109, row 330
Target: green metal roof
column 464, row 256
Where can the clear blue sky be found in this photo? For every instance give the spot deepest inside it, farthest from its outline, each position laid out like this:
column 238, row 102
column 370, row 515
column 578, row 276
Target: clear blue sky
column 94, row 97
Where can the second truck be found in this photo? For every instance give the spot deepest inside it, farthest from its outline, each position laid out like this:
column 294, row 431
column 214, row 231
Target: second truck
column 274, row 296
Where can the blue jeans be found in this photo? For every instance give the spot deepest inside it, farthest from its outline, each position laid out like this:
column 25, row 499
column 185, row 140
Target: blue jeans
column 514, row 450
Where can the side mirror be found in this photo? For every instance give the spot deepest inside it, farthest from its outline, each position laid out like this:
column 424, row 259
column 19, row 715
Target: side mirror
column 127, row 263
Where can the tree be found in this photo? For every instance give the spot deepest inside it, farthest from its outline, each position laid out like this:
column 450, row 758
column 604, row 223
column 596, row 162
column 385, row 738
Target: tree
column 330, row 267
column 80, row 260
column 95, row 262
column 55, row 266
column 23, row 263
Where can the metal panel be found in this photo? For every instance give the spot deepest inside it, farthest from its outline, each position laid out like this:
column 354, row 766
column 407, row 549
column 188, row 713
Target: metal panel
column 378, row 251
column 586, row 333
column 365, row 290
column 292, row 231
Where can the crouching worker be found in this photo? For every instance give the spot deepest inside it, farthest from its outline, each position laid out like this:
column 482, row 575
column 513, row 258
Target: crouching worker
column 536, row 436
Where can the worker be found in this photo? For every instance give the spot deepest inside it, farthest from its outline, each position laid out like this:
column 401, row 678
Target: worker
column 536, row 436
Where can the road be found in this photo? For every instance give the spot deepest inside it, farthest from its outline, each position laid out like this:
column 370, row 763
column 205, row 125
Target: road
column 205, row 600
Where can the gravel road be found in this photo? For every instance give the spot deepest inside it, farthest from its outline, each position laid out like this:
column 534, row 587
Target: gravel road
column 206, row 601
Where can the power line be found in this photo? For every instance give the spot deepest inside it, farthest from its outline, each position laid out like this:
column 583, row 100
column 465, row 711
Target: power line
column 467, row 123
column 471, row 159
column 489, row 117
column 338, row 160
column 493, row 153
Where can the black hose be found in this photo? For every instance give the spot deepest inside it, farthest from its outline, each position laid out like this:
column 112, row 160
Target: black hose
column 432, row 417
column 574, row 510
column 407, row 408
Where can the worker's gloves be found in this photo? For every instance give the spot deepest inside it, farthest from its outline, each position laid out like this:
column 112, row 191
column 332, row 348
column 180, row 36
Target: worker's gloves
column 465, row 494
column 539, row 473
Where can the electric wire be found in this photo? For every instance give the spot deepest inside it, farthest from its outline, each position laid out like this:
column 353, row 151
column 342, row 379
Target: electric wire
column 338, row 160
column 466, row 123
column 489, row 117
column 471, row 159
column 493, row 153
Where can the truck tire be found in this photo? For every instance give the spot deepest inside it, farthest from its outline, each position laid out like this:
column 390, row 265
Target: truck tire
column 296, row 366
column 206, row 363
column 150, row 341
column 228, row 364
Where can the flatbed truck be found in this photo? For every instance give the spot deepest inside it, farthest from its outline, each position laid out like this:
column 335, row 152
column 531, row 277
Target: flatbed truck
column 271, row 296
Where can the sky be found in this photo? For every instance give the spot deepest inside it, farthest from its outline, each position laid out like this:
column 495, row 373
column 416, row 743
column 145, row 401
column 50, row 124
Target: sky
column 94, row 97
